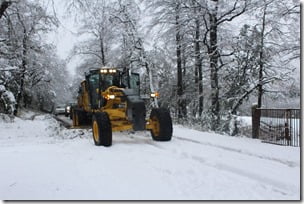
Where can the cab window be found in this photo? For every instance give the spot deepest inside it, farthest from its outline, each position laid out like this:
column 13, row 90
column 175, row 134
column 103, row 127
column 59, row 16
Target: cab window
column 93, row 84
column 134, row 82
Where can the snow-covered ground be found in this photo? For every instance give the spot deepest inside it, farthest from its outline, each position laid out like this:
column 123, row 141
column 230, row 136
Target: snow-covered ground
column 245, row 121
column 42, row 160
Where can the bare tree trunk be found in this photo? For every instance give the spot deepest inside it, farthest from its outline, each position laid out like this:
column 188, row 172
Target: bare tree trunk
column 214, row 58
column 183, row 60
column 195, row 109
column 180, row 91
column 196, row 75
column 102, row 50
column 261, row 62
column 20, row 95
column 198, row 66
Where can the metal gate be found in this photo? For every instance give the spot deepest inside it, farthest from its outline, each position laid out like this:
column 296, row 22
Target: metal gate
column 277, row 126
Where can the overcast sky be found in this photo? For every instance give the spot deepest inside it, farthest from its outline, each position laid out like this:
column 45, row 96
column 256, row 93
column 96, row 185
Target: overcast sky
column 65, row 36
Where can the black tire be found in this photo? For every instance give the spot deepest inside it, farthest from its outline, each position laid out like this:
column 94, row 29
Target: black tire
column 87, row 119
column 71, row 113
column 78, row 117
column 162, row 124
column 75, row 118
column 102, row 129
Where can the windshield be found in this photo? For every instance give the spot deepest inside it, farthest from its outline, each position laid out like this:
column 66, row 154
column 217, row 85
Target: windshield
column 108, row 80
column 121, row 80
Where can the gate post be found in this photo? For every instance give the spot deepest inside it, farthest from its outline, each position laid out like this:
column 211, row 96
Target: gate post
column 256, row 117
column 287, row 125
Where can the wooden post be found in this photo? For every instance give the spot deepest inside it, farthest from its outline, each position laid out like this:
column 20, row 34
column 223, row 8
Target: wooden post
column 256, row 117
column 286, row 126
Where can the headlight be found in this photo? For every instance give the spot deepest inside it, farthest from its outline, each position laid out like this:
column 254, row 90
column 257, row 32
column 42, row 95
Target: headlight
column 107, row 70
column 112, row 70
column 154, row 95
column 68, row 109
column 108, row 97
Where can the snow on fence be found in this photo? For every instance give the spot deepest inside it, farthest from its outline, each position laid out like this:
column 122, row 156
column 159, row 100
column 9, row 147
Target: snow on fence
column 277, row 126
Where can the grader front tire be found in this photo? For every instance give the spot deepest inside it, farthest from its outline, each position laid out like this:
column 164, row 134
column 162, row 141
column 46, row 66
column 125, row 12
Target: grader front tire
column 102, row 130
column 162, row 124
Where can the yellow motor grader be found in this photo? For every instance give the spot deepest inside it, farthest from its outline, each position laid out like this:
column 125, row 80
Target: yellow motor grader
column 110, row 100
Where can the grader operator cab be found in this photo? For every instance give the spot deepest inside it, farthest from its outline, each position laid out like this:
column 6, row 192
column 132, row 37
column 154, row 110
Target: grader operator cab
column 109, row 99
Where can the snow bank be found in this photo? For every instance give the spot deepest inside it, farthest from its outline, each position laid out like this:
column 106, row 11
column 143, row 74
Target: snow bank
column 10, row 96
column 245, row 121
column 4, row 118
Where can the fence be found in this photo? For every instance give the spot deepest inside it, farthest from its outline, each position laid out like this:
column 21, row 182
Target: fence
column 277, row 126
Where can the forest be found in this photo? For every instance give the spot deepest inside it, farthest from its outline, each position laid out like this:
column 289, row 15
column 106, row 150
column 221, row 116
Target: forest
column 210, row 60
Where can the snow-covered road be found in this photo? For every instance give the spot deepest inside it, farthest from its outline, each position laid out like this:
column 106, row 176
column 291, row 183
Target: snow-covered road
column 42, row 160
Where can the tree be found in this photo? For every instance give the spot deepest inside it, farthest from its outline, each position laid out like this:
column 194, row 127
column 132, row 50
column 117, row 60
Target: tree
column 198, row 58
column 171, row 16
column 96, row 23
column 275, row 54
column 30, row 28
column 25, row 58
column 217, row 13
column 260, row 62
column 180, row 87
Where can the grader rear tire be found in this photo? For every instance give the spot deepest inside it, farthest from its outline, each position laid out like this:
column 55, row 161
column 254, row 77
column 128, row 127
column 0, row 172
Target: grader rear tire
column 75, row 118
column 162, row 124
column 78, row 117
column 71, row 113
column 102, row 130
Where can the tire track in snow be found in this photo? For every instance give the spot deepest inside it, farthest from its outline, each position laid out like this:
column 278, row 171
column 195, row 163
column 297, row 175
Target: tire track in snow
column 136, row 138
column 277, row 186
column 280, row 187
column 288, row 163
